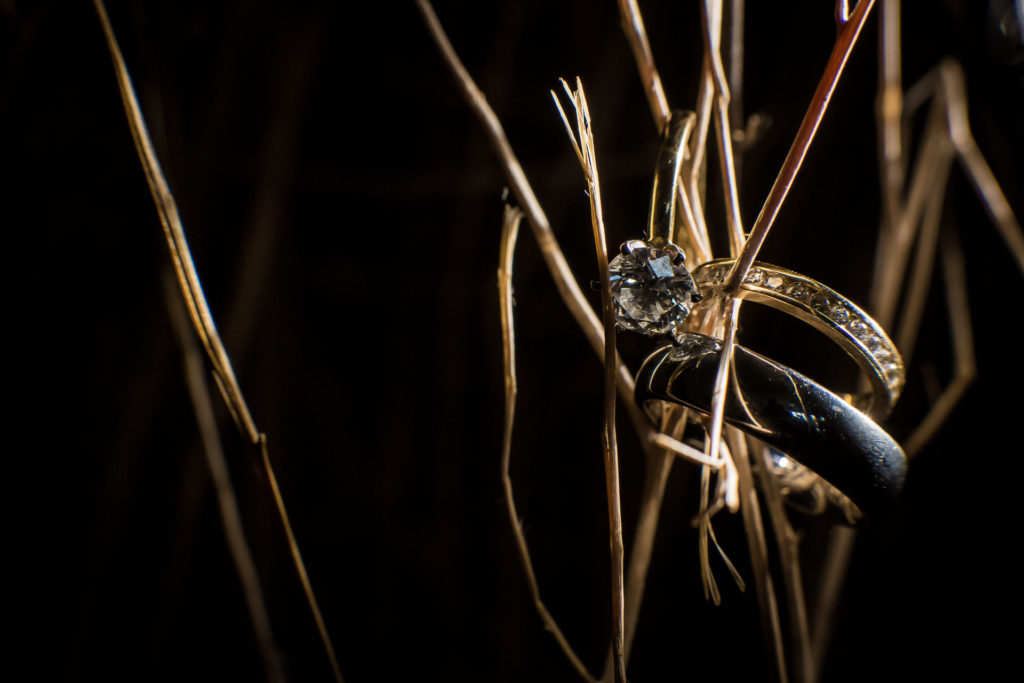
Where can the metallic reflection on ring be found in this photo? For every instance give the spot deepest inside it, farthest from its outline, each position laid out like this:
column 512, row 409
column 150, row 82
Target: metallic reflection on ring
column 826, row 310
column 786, row 410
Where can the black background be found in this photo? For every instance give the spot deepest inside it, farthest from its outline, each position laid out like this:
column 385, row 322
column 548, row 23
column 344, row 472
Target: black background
column 344, row 208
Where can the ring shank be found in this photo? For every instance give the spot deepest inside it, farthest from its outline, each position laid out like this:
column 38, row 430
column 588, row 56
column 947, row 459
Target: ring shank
column 788, row 411
column 827, row 311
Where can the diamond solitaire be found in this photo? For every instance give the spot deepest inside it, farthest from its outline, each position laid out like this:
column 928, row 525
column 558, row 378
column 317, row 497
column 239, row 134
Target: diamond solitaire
column 651, row 289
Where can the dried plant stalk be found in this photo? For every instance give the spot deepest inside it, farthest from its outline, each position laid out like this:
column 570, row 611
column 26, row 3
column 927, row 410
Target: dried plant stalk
column 847, row 38
column 227, row 502
column 695, row 241
column 509, row 232
column 789, row 559
column 963, row 345
column 757, row 545
column 562, row 275
column 199, row 311
column 588, row 160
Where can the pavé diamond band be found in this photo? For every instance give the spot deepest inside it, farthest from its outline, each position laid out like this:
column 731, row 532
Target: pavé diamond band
column 827, row 311
column 785, row 410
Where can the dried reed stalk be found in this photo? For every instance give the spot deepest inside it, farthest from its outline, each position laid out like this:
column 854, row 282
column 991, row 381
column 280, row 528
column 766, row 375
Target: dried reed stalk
column 509, row 234
column 909, row 217
column 227, row 503
column 789, row 557
column 847, row 38
column 199, row 311
column 584, row 148
column 695, row 241
column 757, row 546
column 562, row 275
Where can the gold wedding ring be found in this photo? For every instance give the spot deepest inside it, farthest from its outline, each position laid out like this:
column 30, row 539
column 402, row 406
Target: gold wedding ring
column 827, row 311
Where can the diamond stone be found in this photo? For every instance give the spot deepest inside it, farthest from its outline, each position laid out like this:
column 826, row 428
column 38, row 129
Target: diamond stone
column 838, row 314
column 651, row 293
column 755, row 277
column 859, row 329
column 872, row 341
column 799, row 291
column 822, row 302
column 690, row 345
column 774, row 282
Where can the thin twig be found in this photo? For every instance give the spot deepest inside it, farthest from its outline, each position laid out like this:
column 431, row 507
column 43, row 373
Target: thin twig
column 696, row 242
column 636, row 35
column 965, row 368
column 924, row 259
column 711, row 19
column 509, row 233
column 585, row 151
column 801, row 143
column 562, row 275
column 300, row 565
column 713, row 444
column 227, row 502
column 830, row 584
column 789, row 559
column 757, row 545
column 197, row 307
column 951, row 80
column 181, row 257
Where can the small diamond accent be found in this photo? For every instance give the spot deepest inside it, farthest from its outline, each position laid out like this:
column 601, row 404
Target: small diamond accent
column 859, row 329
column 755, row 277
column 873, row 342
column 774, row 282
column 821, row 301
column 838, row 314
column 690, row 345
column 718, row 273
column 799, row 291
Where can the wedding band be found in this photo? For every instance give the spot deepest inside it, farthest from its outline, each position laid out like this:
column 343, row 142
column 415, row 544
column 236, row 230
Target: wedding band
column 829, row 312
column 784, row 409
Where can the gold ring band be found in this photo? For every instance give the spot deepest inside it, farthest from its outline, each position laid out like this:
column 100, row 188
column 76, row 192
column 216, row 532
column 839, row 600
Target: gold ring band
column 827, row 311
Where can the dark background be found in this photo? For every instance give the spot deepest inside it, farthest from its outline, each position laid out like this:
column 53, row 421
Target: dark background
column 344, row 208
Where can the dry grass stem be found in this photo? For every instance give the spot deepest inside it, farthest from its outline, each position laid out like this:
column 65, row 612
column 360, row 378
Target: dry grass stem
column 728, row 485
column 196, row 305
column 757, row 546
column 227, row 503
column 300, row 566
column 729, row 325
column 509, row 234
column 830, row 585
column 924, row 259
column 181, row 257
column 687, row 452
column 585, row 151
column 896, row 243
column 562, row 275
column 657, row 466
column 696, row 241
column 845, row 41
column 965, row 368
column 789, row 559
column 636, row 35
column 947, row 135
column 951, row 82
column 711, row 18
